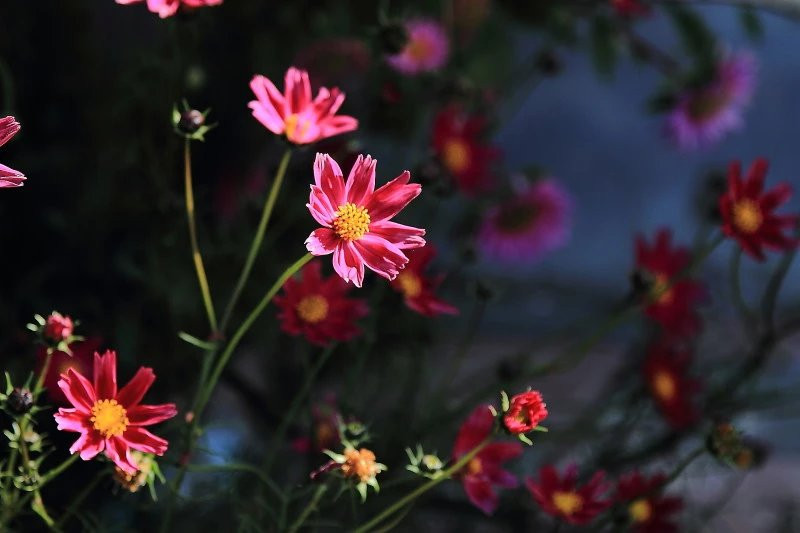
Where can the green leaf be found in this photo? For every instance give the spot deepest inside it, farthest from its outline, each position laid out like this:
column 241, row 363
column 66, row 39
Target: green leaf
column 194, row 341
column 604, row 46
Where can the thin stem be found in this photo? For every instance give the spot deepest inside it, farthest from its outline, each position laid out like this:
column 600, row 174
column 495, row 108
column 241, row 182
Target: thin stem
column 770, row 298
column 310, row 508
column 745, row 312
column 239, row 467
column 196, row 256
column 255, row 247
column 55, row 472
column 422, row 489
column 295, row 406
column 40, row 380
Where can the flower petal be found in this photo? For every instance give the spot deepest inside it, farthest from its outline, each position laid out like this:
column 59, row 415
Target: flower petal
column 328, row 177
column 480, row 493
column 404, row 237
column 72, row 420
column 320, row 207
column 322, row 241
column 140, row 439
column 336, row 125
column 473, row 431
column 117, row 450
column 8, row 128
column 297, row 90
column 269, row 106
column 146, row 415
column 132, row 393
column 361, row 181
column 392, row 197
column 348, row 263
column 105, row 375
column 78, row 390
column 89, row 445
column 381, row 256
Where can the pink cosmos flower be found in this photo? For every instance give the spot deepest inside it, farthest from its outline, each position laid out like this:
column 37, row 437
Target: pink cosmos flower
column 356, row 218
column 8, row 176
column 426, row 50
column 110, row 420
column 294, row 113
column 485, row 469
column 532, row 223
column 704, row 115
column 167, row 8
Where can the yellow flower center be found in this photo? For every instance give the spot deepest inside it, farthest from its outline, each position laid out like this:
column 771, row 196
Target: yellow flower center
column 313, row 308
column 410, row 284
column 567, row 502
column 661, row 291
column 747, row 215
column 419, row 49
column 640, row 511
column 456, row 155
column 664, row 385
column 360, row 464
column 351, row 222
column 296, row 127
column 474, row 466
column 109, row 418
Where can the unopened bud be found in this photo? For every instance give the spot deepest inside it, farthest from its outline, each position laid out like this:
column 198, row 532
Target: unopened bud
column 20, row 400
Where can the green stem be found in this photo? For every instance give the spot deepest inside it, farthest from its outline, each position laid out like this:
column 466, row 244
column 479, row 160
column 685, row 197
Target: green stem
column 745, row 312
column 422, row 489
column 310, row 508
column 239, row 467
column 255, row 247
column 295, row 406
column 78, row 500
column 55, row 472
column 40, row 380
column 196, row 256
column 770, row 298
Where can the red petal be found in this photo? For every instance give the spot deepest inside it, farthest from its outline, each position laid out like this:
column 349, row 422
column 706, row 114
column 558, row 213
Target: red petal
column 105, row 375
column 78, row 390
column 144, row 441
column 132, row 393
column 146, row 415
column 480, row 493
column 392, row 197
column 361, row 181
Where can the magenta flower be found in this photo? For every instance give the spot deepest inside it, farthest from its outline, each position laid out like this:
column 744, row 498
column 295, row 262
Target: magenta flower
column 426, row 50
column 294, row 113
column 8, row 176
column 356, row 218
column 703, row 116
column 532, row 223
column 167, row 8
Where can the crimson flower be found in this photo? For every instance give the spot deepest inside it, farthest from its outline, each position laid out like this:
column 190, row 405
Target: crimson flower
column 294, row 113
column 419, row 289
column 60, row 362
column 648, row 510
column 356, row 218
column 484, row 471
column 630, row 8
column 524, row 413
column 563, row 498
column 167, row 8
column 458, row 139
column 747, row 211
column 8, row 176
column 110, row 420
column 671, row 301
column 318, row 308
column 666, row 374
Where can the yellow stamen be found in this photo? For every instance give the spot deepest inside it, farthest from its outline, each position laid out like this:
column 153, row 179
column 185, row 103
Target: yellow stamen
column 313, row 308
column 410, row 284
column 747, row 215
column 640, row 511
column 661, row 291
column 456, row 155
column 296, row 127
column 567, row 502
column 419, row 49
column 109, row 418
column 351, row 222
column 664, row 385
column 474, row 466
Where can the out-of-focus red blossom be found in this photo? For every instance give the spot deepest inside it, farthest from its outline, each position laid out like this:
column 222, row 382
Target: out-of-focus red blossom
column 8, row 176
column 318, row 308
column 419, row 289
column 562, row 497
column 58, row 327
column 294, row 113
column 630, row 8
column 484, row 471
column 167, row 8
column 524, row 413
column 666, row 374
column 649, row 511
column 336, row 61
column 459, row 142
column 748, row 212
column 325, row 417
column 427, row 48
column 356, row 219
column 672, row 304
column 60, row 362
column 108, row 419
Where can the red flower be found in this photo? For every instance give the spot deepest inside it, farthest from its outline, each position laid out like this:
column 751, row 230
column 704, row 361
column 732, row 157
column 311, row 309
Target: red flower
column 325, row 418
column 60, row 362
column 747, row 212
column 485, row 469
column 110, row 420
column 671, row 306
column 417, row 288
column 318, row 309
column 525, row 412
column 356, row 219
column 564, row 499
column 8, row 176
column 666, row 374
column 58, row 327
column 294, row 113
column 457, row 140
column 630, row 8
column 649, row 511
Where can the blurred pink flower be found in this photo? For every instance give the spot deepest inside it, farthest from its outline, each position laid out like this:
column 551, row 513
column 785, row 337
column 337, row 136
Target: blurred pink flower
column 356, row 218
column 426, row 50
column 532, row 223
column 8, row 176
column 703, row 116
column 294, row 113
column 167, row 8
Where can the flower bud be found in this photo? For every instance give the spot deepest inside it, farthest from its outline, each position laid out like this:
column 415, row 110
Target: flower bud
column 524, row 412
column 58, row 327
column 190, row 123
column 20, row 400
